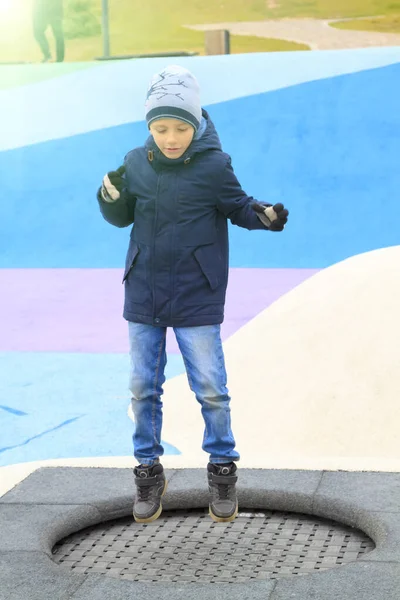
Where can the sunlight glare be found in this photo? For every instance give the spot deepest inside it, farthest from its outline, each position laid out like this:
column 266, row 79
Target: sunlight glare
column 9, row 9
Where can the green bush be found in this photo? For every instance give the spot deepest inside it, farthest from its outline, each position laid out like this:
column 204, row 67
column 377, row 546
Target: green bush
column 80, row 21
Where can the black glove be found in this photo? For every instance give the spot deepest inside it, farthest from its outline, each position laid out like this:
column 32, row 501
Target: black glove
column 112, row 185
column 274, row 217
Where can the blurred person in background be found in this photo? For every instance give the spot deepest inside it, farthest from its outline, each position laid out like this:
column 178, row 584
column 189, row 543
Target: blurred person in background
column 49, row 13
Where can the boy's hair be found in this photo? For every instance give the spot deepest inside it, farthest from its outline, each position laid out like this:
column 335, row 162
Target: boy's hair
column 174, row 93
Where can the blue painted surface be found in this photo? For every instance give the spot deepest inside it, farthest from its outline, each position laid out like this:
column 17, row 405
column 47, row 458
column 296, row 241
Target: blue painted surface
column 67, row 405
column 329, row 149
column 87, row 104
column 13, row 411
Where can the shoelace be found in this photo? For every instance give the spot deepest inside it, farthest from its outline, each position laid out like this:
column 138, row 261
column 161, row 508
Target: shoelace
column 143, row 493
column 224, row 490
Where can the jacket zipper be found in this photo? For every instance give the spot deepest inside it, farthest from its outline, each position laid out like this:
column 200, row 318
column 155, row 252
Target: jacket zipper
column 173, row 263
column 154, row 246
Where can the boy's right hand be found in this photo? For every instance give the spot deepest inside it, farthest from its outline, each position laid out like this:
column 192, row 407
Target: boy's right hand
column 112, row 185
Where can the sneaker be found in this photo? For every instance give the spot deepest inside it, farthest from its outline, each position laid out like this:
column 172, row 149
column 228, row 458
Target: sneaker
column 150, row 486
column 221, row 485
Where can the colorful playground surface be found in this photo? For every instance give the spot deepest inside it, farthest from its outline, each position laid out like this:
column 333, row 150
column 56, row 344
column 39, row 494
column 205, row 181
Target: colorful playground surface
column 317, row 130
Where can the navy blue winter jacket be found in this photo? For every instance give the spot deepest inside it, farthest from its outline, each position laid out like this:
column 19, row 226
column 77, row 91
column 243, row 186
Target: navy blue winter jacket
column 176, row 270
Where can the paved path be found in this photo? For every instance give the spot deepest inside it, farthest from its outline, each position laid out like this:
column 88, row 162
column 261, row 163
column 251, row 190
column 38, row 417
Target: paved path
column 316, row 33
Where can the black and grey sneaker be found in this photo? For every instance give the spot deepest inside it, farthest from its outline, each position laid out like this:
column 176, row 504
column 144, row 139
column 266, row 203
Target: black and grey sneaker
column 150, row 486
column 221, row 485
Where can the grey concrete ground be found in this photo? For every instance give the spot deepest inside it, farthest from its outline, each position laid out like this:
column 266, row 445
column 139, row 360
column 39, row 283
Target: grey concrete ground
column 54, row 502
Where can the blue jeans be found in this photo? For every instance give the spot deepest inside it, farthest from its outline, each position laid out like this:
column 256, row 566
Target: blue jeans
column 202, row 352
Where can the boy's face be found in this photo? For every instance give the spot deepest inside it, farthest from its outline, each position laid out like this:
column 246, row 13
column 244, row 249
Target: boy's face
column 172, row 136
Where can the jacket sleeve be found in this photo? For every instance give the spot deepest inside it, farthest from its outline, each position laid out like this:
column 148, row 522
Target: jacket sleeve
column 235, row 204
column 120, row 213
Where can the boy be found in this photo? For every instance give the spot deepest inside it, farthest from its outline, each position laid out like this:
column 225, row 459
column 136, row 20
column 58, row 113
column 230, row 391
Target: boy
column 178, row 190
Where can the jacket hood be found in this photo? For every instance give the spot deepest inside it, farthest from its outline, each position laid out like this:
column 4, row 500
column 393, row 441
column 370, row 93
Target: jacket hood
column 208, row 141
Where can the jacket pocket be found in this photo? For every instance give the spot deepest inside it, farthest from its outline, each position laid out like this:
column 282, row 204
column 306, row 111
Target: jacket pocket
column 209, row 264
column 131, row 257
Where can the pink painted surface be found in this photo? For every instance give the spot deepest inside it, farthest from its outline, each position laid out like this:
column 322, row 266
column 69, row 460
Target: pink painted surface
column 80, row 310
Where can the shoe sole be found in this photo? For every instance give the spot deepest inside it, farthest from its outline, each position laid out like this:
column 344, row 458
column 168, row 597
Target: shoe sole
column 223, row 519
column 156, row 514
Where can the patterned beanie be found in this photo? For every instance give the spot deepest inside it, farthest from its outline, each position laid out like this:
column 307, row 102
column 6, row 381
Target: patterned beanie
column 174, row 93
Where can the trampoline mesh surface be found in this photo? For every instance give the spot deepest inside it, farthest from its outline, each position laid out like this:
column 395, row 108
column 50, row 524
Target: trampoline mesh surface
column 187, row 546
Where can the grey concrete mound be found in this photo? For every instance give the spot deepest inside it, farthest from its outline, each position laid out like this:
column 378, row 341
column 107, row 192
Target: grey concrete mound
column 54, row 502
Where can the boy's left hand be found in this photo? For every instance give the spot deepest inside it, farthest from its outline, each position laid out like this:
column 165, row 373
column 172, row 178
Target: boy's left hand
column 274, row 217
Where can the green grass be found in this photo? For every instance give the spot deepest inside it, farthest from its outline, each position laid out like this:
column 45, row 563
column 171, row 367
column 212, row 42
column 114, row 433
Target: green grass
column 214, row 11
column 158, row 12
column 141, row 27
column 387, row 24
column 241, row 44
column 335, row 9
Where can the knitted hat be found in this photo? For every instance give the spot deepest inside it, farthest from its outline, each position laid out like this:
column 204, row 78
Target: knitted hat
column 174, row 93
